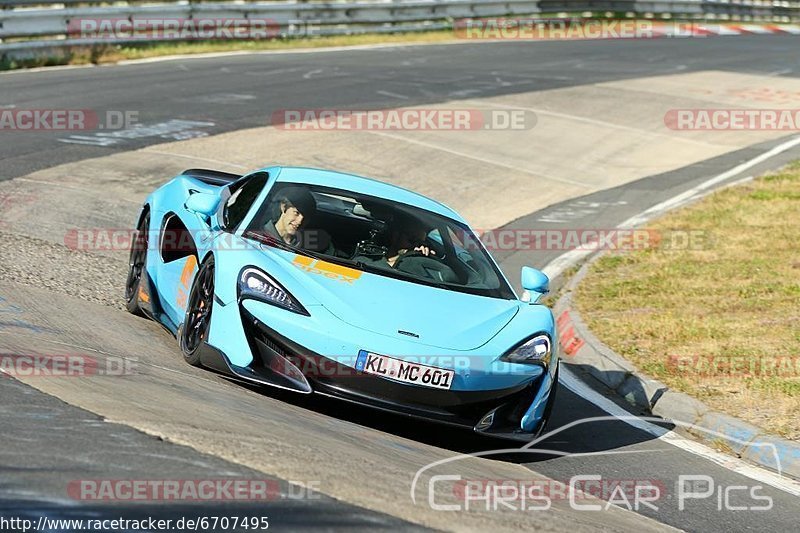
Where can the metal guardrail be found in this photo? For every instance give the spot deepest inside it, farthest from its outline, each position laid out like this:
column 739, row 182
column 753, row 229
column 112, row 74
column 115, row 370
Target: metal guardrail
column 37, row 29
column 31, row 26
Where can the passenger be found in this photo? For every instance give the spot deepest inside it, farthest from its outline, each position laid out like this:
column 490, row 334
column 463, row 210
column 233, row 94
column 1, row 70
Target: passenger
column 296, row 206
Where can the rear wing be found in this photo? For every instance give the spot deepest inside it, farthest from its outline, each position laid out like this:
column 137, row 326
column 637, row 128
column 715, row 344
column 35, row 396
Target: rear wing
column 211, row 177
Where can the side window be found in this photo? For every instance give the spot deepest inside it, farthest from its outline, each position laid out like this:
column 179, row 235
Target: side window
column 467, row 250
column 176, row 240
column 458, row 244
column 241, row 199
column 435, row 241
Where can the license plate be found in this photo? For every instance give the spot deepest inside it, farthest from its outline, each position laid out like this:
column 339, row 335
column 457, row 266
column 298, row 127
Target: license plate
column 406, row 372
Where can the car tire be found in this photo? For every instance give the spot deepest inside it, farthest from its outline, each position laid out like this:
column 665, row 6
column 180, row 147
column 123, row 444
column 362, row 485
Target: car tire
column 137, row 266
column 197, row 320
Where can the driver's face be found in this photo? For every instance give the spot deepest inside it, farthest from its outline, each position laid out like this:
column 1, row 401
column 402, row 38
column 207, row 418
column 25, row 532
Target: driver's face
column 292, row 219
column 410, row 237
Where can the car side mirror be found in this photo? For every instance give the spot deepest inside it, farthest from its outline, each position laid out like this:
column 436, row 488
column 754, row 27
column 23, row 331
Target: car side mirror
column 204, row 204
column 535, row 282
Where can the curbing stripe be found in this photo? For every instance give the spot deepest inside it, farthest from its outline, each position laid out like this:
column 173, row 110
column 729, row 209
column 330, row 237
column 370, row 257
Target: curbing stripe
column 788, row 454
column 580, row 346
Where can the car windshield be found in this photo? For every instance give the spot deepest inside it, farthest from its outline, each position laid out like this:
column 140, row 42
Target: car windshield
column 379, row 236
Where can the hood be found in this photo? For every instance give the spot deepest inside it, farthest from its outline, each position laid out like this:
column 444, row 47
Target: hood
column 429, row 315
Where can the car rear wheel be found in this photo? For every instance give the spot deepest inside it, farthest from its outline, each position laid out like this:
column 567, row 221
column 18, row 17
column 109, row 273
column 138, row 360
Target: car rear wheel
column 137, row 263
column 197, row 321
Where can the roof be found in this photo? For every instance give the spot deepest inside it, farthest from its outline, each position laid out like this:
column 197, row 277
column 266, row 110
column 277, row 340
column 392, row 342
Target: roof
column 371, row 187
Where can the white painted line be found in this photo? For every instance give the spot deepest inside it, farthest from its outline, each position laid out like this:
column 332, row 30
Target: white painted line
column 573, row 383
column 308, row 75
column 320, row 50
column 272, row 72
column 676, row 200
column 481, row 159
column 92, row 192
column 198, row 376
column 392, row 95
column 195, row 158
column 566, row 260
column 734, row 183
column 557, row 266
column 54, row 68
column 88, row 140
column 594, row 122
column 212, row 55
column 738, row 466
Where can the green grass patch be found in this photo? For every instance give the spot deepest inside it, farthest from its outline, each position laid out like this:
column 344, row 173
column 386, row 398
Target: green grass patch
column 731, row 296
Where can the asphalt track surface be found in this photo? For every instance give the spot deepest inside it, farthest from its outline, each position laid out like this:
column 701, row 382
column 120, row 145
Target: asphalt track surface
column 48, row 444
column 187, row 89
column 195, row 90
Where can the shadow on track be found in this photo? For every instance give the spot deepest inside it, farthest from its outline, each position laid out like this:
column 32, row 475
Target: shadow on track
column 569, row 408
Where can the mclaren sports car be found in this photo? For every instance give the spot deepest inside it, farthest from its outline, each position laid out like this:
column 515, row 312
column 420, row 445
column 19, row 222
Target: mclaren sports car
column 333, row 284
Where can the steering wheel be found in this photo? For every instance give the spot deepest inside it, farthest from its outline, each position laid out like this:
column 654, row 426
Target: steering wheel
column 429, row 266
column 416, row 253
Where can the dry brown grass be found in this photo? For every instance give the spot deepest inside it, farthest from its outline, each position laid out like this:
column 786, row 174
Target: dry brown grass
column 734, row 300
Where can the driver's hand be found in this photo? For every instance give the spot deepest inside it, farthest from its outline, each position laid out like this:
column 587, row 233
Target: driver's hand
column 424, row 250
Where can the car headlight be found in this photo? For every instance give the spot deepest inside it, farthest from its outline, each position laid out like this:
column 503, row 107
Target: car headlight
column 537, row 350
column 255, row 284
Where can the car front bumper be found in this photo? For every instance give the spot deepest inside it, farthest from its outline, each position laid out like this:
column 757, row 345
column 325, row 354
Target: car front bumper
column 515, row 410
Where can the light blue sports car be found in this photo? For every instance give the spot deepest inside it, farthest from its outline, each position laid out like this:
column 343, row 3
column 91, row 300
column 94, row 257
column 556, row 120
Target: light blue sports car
column 317, row 281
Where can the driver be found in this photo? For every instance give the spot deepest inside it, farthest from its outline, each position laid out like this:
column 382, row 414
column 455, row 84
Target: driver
column 408, row 253
column 406, row 236
column 296, row 205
